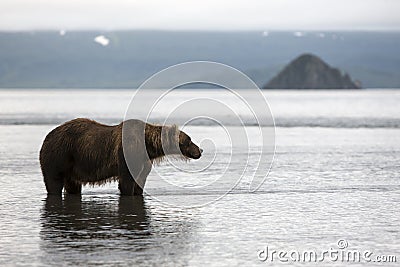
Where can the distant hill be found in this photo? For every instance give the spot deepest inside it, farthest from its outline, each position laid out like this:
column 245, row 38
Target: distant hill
column 74, row 60
column 310, row 72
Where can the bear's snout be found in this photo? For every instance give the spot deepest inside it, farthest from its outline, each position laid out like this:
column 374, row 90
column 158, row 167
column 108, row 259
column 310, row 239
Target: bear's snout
column 192, row 151
column 197, row 152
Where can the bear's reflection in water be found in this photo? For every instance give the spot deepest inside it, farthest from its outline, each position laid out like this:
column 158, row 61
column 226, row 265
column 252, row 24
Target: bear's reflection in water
column 99, row 229
column 74, row 218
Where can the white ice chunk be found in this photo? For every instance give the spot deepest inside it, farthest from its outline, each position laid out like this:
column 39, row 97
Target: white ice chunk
column 101, row 39
column 298, row 34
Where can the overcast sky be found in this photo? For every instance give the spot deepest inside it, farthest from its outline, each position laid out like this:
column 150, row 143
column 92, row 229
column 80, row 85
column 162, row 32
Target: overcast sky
column 200, row 15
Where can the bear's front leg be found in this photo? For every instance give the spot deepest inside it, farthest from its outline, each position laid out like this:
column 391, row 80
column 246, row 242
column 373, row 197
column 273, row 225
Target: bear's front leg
column 141, row 178
column 126, row 185
column 72, row 187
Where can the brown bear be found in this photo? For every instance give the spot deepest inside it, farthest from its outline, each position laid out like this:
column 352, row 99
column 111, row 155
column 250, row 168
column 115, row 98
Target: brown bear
column 83, row 151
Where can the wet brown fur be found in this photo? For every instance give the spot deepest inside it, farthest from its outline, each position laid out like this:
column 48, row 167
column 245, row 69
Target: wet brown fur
column 83, row 151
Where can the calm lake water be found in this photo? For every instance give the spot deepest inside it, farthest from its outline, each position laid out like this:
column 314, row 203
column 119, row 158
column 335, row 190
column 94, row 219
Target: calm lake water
column 335, row 176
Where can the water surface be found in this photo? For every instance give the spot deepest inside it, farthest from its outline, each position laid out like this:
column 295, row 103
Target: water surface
column 335, row 176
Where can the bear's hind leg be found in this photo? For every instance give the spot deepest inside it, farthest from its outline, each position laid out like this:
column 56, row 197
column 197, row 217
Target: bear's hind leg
column 54, row 182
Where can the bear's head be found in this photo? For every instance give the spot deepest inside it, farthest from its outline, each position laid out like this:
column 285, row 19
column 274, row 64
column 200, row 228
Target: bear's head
column 176, row 142
column 187, row 147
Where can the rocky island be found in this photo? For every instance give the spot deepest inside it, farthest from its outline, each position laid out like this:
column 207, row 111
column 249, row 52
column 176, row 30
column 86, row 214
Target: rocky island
column 310, row 72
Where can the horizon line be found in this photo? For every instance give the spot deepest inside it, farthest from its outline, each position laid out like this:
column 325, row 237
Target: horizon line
column 195, row 30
